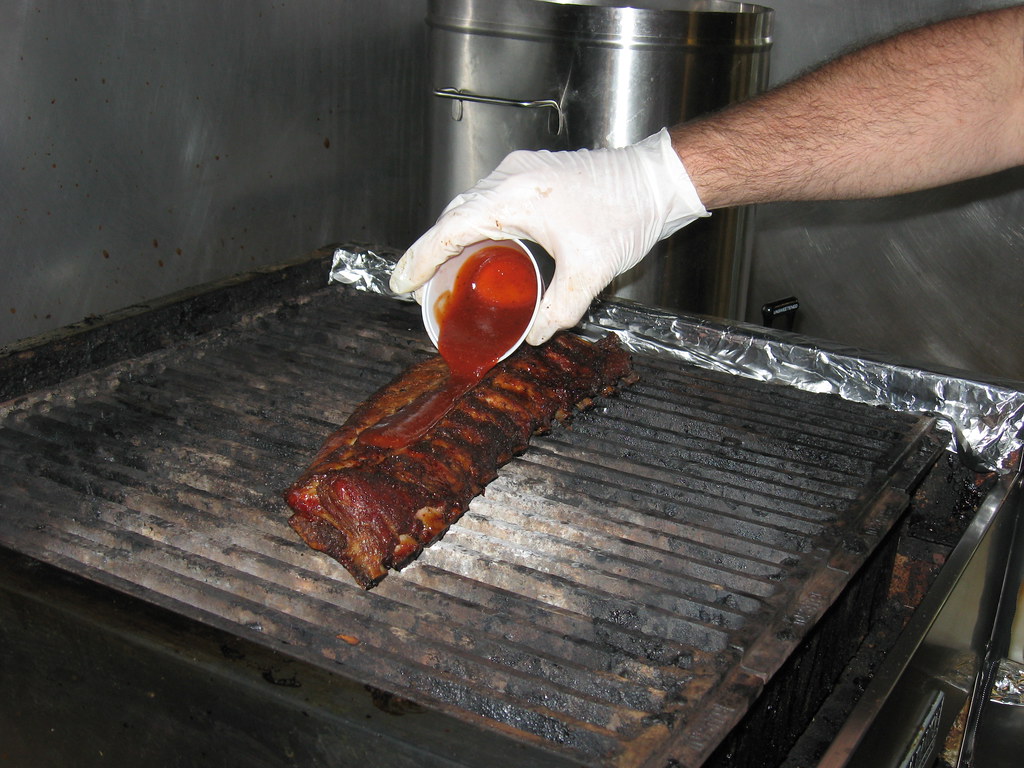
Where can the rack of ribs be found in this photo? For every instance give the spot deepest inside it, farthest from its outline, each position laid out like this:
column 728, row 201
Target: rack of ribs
column 374, row 508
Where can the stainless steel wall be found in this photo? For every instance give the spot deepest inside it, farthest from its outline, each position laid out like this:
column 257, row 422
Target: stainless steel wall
column 146, row 146
column 934, row 277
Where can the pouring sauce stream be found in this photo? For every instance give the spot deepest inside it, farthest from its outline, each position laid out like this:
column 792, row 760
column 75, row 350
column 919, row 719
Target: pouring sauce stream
column 482, row 317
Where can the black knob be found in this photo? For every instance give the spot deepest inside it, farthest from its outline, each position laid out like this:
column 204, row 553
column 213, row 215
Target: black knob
column 780, row 313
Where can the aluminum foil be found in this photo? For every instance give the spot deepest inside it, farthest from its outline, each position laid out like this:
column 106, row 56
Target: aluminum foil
column 985, row 418
column 366, row 269
column 1008, row 684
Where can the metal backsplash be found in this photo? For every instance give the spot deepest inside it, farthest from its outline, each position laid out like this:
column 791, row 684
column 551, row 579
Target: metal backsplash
column 932, row 278
column 148, row 147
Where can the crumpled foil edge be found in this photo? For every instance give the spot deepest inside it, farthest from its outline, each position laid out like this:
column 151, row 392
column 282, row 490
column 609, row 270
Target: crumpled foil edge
column 984, row 417
column 1008, row 683
column 365, row 269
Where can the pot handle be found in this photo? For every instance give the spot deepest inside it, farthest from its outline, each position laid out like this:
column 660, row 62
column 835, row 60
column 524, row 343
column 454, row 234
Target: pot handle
column 457, row 95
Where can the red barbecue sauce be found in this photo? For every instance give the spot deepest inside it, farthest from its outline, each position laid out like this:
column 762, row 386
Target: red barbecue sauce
column 485, row 313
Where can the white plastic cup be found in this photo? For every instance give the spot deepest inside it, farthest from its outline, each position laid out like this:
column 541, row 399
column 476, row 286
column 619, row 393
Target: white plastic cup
column 437, row 288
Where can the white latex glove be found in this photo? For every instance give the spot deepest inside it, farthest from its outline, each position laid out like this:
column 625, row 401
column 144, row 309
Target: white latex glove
column 597, row 212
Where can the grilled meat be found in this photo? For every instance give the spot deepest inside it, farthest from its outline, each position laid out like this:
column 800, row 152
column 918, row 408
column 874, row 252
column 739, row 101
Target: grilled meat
column 374, row 508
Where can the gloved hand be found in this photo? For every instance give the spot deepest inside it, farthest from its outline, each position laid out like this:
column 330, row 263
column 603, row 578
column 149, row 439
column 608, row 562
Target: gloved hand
column 597, row 212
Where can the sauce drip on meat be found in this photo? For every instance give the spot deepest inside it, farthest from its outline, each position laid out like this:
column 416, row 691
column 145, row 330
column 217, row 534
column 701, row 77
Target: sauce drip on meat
column 484, row 314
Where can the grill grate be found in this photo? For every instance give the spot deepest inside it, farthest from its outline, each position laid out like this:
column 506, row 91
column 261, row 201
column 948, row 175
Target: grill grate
column 618, row 596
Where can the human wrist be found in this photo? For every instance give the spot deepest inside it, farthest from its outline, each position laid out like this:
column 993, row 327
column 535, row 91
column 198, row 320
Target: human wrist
column 708, row 156
column 677, row 200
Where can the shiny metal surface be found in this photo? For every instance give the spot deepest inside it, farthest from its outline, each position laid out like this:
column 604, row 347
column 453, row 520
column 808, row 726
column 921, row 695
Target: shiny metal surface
column 941, row 651
column 994, row 733
column 148, row 147
column 615, row 76
column 1001, row 738
column 932, row 277
column 459, row 96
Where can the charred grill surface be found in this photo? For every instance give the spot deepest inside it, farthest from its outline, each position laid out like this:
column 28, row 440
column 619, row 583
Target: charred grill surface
column 374, row 508
column 618, row 596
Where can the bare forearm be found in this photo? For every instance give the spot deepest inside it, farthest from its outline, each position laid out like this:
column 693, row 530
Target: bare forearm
column 925, row 108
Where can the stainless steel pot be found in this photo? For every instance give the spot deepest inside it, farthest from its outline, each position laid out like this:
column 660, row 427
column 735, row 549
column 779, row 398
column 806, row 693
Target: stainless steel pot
column 540, row 74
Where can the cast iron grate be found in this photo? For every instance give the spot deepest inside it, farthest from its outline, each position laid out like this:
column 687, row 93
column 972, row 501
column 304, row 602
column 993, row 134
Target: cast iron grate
column 618, row 596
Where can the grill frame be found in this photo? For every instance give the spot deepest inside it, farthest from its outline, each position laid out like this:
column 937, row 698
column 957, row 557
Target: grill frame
column 660, row 736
